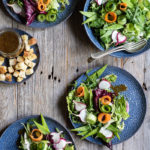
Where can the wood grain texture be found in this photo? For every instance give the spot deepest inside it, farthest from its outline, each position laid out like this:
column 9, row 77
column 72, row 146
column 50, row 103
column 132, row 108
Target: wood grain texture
column 64, row 52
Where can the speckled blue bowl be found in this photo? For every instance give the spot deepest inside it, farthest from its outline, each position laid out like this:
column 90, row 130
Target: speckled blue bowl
column 95, row 41
column 10, row 136
column 136, row 99
column 61, row 16
column 36, row 51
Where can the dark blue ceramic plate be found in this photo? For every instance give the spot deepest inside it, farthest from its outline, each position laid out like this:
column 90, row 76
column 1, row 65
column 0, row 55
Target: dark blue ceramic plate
column 136, row 99
column 10, row 136
column 95, row 41
column 36, row 51
column 61, row 16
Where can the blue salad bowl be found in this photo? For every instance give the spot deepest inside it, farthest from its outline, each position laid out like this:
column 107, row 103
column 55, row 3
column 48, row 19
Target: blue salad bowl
column 136, row 99
column 9, row 139
column 62, row 16
column 95, row 41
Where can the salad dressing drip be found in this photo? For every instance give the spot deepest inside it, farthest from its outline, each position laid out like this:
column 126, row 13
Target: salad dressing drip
column 119, row 88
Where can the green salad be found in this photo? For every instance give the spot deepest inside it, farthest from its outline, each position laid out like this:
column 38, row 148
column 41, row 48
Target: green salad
column 115, row 22
column 37, row 136
column 98, row 107
column 42, row 10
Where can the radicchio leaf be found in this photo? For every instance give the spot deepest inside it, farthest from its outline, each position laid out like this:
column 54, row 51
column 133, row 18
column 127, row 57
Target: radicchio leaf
column 30, row 11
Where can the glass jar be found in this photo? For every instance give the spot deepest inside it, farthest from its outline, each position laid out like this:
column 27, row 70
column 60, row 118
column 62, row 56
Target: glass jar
column 11, row 44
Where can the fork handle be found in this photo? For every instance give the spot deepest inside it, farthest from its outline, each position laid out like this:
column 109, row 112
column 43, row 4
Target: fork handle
column 104, row 53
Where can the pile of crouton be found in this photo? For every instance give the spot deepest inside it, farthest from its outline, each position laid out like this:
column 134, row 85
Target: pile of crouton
column 21, row 66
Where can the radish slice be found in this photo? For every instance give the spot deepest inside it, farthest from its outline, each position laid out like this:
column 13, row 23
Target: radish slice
column 104, row 84
column 82, row 115
column 62, row 144
column 55, row 137
column 16, row 8
column 100, row 2
column 127, row 107
column 79, row 106
column 114, row 36
column 107, row 133
column 121, row 38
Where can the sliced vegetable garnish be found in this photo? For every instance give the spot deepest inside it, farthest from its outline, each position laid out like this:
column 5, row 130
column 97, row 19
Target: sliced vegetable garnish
column 82, row 115
column 123, row 6
column 104, row 117
column 79, row 106
column 105, row 100
column 41, row 17
column 106, row 108
column 107, row 133
column 51, row 17
column 104, row 84
column 111, row 17
column 80, row 91
column 36, row 135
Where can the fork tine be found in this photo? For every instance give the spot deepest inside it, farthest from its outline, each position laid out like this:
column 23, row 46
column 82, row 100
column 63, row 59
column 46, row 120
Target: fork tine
column 135, row 44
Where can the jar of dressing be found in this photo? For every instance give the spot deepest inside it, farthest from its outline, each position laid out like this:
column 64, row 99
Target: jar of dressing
column 11, row 44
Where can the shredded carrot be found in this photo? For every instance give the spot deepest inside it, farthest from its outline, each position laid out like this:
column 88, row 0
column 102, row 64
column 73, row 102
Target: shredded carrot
column 110, row 17
column 46, row 2
column 105, row 100
column 80, row 91
column 41, row 6
column 38, row 134
column 104, row 117
column 123, row 6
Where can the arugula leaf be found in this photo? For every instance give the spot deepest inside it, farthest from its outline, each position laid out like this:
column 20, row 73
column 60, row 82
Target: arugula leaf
column 43, row 129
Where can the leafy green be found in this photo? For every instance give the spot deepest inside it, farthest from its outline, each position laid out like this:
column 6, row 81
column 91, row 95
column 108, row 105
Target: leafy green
column 132, row 23
column 120, row 107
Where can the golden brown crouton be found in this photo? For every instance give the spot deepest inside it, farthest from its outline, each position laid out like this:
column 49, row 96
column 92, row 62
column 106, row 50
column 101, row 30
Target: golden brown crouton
column 22, row 74
column 2, row 59
column 12, row 62
column 24, row 37
column 19, row 79
column 16, row 74
column 8, row 77
column 2, row 77
column 29, row 71
column 32, row 41
column 32, row 57
column 10, row 69
column 20, row 66
column 3, row 69
column 20, row 59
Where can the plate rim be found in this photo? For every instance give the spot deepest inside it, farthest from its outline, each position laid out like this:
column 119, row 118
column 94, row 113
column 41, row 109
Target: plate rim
column 94, row 41
column 36, row 66
column 35, row 116
column 11, row 14
column 96, row 68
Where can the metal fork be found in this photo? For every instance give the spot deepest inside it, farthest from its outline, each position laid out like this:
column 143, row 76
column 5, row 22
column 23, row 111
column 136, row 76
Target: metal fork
column 131, row 47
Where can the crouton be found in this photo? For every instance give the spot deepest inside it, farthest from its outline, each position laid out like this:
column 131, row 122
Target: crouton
column 24, row 37
column 29, row 71
column 2, row 77
column 19, row 79
column 12, row 62
column 26, row 54
column 8, row 77
column 10, row 69
column 20, row 66
column 32, row 57
column 32, row 41
column 31, row 50
column 27, row 47
column 2, row 59
column 16, row 74
column 20, row 59
column 22, row 74
column 3, row 69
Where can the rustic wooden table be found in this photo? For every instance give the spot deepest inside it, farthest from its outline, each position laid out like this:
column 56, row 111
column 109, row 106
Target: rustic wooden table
column 64, row 52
